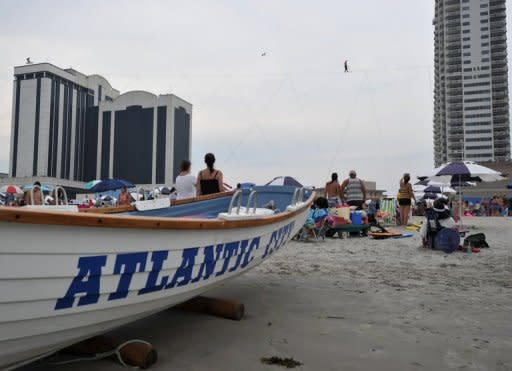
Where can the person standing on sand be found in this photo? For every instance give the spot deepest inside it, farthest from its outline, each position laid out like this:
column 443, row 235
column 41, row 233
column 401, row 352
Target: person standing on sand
column 209, row 180
column 405, row 194
column 333, row 191
column 346, row 66
column 353, row 190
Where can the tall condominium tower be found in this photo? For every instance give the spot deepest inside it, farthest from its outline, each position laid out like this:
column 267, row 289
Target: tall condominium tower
column 471, row 111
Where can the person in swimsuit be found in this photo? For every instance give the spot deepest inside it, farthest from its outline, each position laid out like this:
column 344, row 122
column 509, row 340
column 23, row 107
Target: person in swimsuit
column 209, row 180
column 404, row 198
column 333, row 191
column 124, row 197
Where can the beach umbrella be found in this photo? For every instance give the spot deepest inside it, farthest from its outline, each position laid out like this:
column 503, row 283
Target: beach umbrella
column 438, row 189
column 111, row 185
column 285, row 181
column 165, row 191
column 464, row 171
column 91, row 184
column 44, row 188
column 430, row 196
column 11, row 189
column 467, row 171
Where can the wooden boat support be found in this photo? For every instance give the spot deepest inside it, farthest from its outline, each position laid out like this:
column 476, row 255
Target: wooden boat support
column 229, row 309
column 133, row 353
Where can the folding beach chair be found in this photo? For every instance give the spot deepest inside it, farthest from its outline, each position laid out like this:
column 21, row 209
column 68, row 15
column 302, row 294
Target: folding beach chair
column 387, row 215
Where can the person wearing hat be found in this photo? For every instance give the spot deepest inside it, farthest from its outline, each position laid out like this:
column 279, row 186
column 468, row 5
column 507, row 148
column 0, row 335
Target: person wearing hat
column 353, row 190
column 443, row 216
column 37, row 199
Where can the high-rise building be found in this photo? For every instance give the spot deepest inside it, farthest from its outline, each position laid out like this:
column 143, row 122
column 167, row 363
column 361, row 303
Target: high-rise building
column 471, row 109
column 74, row 127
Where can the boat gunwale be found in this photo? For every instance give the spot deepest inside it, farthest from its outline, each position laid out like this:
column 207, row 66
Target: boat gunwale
column 31, row 216
column 128, row 208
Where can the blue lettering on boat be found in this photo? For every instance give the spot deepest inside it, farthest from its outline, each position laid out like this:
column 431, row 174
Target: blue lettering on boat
column 87, row 281
column 158, row 258
column 130, row 262
column 197, row 263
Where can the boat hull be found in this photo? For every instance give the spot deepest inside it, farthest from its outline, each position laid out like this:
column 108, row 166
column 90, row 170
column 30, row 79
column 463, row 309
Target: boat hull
column 61, row 284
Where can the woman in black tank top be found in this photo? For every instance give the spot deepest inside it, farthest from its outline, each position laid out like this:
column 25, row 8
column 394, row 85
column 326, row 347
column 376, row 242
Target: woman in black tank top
column 209, row 180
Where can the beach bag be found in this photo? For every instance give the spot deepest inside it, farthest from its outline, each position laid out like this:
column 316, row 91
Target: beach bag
column 447, row 240
column 476, row 240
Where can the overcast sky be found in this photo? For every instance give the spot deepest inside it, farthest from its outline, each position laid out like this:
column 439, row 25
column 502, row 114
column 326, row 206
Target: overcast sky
column 290, row 112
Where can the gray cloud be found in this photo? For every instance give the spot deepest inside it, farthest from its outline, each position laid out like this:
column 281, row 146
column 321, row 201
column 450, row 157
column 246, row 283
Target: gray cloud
column 293, row 111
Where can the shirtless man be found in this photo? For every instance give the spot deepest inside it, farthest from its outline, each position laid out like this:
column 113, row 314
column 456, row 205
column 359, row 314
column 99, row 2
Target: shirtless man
column 333, row 191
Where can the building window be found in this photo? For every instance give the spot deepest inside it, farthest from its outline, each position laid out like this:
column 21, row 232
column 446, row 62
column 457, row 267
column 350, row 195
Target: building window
column 485, row 36
column 467, row 54
column 476, row 92
column 478, row 139
column 478, row 115
column 466, row 38
column 484, row 29
column 478, row 123
column 484, row 21
column 484, row 60
column 465, row 31
column 477, row 108
column 478, row 147
column 465, row 23
column 473, row 84
column 465, row 16
column 484, row 6
column 484, row 13
column 479, row 155
column 481, row 131
column 485, row 44
column 466, row 47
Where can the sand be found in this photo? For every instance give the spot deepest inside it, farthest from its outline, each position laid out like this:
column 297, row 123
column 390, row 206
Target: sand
column 350, row 304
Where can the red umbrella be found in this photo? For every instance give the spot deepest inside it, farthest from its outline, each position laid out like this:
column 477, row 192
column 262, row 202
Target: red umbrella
column 11, row 189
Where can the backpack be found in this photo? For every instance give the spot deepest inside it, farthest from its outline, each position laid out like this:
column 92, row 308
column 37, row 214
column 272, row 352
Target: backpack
column 447, row 240
column 476, row 240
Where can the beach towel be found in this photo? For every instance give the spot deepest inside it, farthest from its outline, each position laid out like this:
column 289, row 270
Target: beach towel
column 387, row 212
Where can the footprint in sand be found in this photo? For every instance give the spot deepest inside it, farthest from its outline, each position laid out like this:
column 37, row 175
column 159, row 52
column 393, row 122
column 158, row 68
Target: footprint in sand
column 454, row 360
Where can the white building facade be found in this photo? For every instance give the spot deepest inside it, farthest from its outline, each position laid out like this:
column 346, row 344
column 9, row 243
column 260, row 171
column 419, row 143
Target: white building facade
column 69, row 126
column 471, row 109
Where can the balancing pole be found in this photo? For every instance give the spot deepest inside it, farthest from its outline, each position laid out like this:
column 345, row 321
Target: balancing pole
column 229, row 309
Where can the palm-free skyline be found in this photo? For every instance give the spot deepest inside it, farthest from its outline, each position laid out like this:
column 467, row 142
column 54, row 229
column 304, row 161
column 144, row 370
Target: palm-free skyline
column 266, row 78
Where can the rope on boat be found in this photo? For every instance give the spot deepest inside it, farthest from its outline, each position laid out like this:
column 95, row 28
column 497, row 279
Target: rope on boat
column 116, row 351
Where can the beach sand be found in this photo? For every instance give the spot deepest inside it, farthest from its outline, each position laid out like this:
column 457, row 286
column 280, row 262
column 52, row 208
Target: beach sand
column 350, row 304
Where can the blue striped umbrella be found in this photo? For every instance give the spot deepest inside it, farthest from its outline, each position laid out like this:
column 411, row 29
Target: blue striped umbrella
column 91, row 184
column 111, row 185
